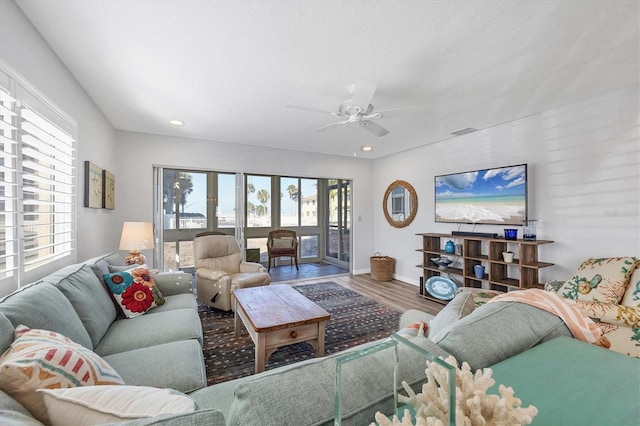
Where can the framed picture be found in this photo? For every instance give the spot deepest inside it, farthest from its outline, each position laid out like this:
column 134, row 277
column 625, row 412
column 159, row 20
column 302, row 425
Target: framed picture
column 108, row 190
column 92, row 185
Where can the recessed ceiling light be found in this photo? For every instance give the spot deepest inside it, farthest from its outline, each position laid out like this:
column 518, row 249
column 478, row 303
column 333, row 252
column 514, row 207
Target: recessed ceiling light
column 367, row 148
column 176, row 122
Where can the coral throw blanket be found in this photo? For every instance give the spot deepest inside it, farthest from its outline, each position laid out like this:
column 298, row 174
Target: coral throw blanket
column 581, row 326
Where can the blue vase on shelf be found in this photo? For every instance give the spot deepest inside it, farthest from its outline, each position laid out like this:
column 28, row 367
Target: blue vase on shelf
column 449, row 247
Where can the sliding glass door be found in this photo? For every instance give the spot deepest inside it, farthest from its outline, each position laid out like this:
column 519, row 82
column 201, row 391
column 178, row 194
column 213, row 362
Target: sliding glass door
column 276, row 202
column 189, row 202
column 193, row 202
column 338, row 238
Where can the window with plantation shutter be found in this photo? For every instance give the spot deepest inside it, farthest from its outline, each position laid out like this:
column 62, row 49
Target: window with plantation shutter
column 37, row 182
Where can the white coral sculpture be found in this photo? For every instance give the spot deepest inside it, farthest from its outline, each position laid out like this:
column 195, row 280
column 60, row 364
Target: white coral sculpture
column 473, row 405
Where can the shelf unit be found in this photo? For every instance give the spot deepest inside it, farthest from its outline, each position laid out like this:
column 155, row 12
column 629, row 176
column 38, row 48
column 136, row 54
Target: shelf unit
column 499, row 275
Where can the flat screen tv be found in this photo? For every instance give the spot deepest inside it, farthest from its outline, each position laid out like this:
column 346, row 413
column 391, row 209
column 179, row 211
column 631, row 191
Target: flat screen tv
column 495, row 196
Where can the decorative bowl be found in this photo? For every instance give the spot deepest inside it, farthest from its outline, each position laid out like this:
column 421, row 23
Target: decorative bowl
column 442, row 262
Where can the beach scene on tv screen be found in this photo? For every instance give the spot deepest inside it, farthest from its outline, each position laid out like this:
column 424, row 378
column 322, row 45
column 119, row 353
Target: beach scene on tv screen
column 491, row 196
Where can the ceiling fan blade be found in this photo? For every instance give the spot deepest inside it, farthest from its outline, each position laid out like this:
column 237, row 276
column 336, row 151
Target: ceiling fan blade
column 374, row 128
column 309, row 109
column 396, row 112
column 329, row 126
column 362, row 93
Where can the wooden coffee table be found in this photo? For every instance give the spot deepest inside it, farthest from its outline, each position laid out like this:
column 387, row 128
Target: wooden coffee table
column 277, row 315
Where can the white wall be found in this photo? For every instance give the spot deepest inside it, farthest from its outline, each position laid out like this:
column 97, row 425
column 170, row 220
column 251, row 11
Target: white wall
column 584, row 182
column 24, row 50
column 140, row 152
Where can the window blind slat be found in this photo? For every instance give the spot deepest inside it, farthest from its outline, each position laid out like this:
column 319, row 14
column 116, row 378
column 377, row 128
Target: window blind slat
column 56, row 148
column 61, row 189
column 9, row 199
column 41, row 260
column 7, row 112
column 4, row 257
column 45, row 125
column 43, row 203
column 6, row 98
column 43, row 246
column 46, row 158
column 35, row 178
column 7, row 158
column 57, row 174
column 7, row 127
column 37, row 225
column 7, row 143
column 47, row 217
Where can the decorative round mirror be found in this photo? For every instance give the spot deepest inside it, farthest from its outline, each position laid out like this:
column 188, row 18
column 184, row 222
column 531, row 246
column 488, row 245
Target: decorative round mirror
column 400, row 204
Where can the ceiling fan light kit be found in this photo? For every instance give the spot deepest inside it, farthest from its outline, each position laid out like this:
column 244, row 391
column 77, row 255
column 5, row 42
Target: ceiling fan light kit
column 358, row 110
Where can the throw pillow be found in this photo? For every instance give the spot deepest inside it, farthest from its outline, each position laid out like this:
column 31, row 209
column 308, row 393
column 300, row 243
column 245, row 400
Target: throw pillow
column 466, row 300
column 110, row 404
column 134, row 291
column 497, row 331
column 632, row 294
column 142, row 274
column 416, row 329
column 600, row 280
column 40, row 359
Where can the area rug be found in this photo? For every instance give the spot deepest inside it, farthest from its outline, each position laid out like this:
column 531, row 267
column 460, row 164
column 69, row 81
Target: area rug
column 355, row 319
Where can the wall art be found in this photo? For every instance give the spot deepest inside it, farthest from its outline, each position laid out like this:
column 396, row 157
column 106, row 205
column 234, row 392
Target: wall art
column 108, row 190
column 92, row 185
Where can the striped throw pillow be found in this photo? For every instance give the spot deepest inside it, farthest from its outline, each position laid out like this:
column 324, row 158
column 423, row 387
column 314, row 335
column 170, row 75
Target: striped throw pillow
column 40, row 359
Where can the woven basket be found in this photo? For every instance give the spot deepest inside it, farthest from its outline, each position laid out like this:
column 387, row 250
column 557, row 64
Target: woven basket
column 382, row 267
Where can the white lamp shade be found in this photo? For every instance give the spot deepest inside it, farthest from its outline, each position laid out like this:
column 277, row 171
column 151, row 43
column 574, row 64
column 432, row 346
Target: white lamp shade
column 136, row 236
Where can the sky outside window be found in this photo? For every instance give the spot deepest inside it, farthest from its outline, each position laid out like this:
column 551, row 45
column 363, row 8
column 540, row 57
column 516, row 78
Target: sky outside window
column 196, row 201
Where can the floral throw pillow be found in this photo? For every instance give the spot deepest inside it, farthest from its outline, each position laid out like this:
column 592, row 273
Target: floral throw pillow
column 134, row 291
column 632, row 294
column 601, row 280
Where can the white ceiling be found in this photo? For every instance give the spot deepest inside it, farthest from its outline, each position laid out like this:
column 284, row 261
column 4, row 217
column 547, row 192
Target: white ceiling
column 229, row 68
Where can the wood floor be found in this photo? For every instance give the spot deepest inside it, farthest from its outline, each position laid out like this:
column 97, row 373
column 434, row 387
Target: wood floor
column 398, row 295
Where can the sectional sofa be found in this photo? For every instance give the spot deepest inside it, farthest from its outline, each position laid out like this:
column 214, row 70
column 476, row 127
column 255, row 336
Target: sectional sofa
column 162, row 349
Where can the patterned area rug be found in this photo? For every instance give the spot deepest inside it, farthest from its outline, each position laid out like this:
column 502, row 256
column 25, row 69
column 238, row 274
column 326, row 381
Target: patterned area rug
column 355, row 319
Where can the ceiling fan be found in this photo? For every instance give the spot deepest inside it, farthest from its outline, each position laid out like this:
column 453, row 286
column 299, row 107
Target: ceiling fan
column 358, row 110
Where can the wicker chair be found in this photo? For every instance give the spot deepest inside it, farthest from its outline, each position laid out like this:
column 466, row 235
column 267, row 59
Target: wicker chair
column 282, row 243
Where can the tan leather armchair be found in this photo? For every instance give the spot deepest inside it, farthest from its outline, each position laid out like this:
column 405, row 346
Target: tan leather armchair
column 220, row 270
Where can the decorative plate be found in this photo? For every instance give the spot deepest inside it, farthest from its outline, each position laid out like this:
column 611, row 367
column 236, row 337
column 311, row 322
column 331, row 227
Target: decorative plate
column 441, row 287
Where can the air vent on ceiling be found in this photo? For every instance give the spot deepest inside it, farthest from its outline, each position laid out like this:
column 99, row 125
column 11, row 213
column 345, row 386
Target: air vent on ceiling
column 464, row 131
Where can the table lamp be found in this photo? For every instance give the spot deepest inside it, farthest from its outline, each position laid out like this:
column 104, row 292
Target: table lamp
column 136, row 236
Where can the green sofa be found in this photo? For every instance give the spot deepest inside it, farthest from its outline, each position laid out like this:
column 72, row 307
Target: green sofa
column 144, row 350
column 303, row 393
column 162, row 349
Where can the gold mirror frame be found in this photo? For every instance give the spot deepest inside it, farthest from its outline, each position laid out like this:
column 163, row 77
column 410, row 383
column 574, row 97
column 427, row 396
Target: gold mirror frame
column 414, row 204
